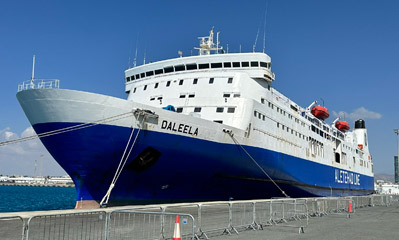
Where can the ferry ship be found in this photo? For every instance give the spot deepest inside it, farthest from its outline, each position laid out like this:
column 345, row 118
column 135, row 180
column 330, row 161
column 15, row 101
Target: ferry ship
column 197, row 128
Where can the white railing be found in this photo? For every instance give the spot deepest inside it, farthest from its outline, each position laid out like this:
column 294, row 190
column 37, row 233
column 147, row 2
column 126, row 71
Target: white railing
column 39, row 84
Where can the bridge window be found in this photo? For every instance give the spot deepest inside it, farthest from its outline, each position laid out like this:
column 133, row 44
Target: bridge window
column 191, row 66
column 203, row 66
column 245, row 64
column 263, row 64
column 254, row 64
column 168, row 69
column 132, row 77
column 150, row 73
column 142, row 75
column 158, row 71
column 227, row 64
column 137, row 76
column 180, row 68
column 128, row 79
column 216, row 65
column 236, row 64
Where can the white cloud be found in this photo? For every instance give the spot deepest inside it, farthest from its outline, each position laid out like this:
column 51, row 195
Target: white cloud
column 359, row 113
column 19, row 158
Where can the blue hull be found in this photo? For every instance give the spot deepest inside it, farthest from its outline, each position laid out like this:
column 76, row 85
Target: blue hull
column 187, row 169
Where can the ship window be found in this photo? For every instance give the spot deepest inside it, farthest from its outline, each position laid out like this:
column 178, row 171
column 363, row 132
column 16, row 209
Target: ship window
column 218, row 121
column 219, row 109
column 195, row 81
column 226, row 95
column 168, row 83
column 203, row 66
column 259, row 115
column 134, row 90
column 179, row 110
column 150, row 73
column 168, row 69
column 159, row 98
column 313, row 128
column 282, row 126
column 263, row 64
column 128, row 79
column 145, row 87
column 211, row 80
column 263, row 117
column 142, row 75
column 254, row 64
column 230, row 80
column 137, row 76
column 236, row 95
column 245, row 64
column 231, row 110
column 197, row 109
column 152, row 99
column 255, row 113
column 156, row 85
column 269, row 65
column 191, row 66
column 262, row 100
column 180, row 68
column 191, row 95
column 181, row 82
column 216, row 65
column 278, row 124
column 158, row 71
column 182, row 95
column 227, row 64
column 236, row 64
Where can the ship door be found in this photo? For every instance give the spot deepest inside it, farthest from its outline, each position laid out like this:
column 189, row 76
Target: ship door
column 337, row 151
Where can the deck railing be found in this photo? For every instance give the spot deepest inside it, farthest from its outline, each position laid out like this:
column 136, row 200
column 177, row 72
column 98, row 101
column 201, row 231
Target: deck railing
column 39, row 84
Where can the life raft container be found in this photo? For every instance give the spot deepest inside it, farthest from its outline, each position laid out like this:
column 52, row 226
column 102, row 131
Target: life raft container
column 342, row 125
column 320, row 112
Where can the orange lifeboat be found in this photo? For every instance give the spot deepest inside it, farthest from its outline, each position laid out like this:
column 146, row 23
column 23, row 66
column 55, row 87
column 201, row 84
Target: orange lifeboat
column 320, row 112
column 342, row 125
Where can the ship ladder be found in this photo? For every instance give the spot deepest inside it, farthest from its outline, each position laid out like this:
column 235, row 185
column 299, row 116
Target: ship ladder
column 124, row 159
column 230, row 132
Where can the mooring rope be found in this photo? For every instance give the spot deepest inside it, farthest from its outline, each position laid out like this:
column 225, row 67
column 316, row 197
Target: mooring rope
column 68, row 129
column 257, row 164
column 122, row 163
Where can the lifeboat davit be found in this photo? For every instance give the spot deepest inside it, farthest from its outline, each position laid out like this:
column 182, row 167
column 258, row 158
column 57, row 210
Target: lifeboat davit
column 320, row 112
column 342, row 125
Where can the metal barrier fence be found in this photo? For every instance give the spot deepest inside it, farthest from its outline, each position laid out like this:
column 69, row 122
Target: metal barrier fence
column 197, row 220
column 15, row 227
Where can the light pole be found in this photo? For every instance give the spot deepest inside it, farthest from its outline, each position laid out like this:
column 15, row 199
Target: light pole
column 396, row 131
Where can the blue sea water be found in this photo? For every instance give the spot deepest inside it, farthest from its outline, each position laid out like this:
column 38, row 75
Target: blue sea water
column 28, row 198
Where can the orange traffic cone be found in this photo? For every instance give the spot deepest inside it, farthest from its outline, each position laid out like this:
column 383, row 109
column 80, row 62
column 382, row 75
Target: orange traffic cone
column 350, row 207
column 176, row 233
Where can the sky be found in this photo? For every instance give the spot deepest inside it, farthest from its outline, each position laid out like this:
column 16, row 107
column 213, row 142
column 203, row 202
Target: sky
column 343, row 52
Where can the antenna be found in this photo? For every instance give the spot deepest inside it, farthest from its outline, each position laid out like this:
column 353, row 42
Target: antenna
column 264, row 28
column 135, row 56
column 33, row 70
column 240, row 48
column 227, row 48
column 145, row 52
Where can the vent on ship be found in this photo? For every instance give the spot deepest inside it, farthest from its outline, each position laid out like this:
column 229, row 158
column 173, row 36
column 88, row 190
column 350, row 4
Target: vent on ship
column 144, row 160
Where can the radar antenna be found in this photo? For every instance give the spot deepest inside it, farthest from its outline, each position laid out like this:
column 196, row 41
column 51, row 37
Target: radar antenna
column 207, row 45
